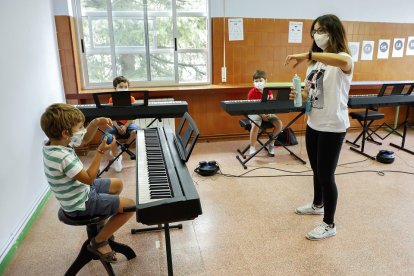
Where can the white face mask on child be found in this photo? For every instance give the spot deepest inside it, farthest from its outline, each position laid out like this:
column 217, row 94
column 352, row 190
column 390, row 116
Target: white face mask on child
column 121, row 89
column 259, row 85
column 77, row 138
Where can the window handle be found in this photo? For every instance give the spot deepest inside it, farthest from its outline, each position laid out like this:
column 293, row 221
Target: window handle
column 82, row 46
column 175, row 44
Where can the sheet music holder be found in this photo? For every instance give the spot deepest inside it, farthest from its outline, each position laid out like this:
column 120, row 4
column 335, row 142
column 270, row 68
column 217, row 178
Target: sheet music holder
column 120, row 98
column 279, row 94
column 388, row 89
column 186, row 137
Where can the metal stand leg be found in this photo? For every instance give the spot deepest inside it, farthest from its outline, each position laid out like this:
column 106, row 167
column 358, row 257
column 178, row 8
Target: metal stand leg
column 158, row 228
column 168, row 250
column 404, row 134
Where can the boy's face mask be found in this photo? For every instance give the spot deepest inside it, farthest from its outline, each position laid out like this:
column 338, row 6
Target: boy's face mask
column 121, row 89
column 77, row 138
column 259, row 85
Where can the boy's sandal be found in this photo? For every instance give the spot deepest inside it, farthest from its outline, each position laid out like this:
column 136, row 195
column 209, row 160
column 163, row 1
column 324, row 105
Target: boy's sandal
column 107, row 257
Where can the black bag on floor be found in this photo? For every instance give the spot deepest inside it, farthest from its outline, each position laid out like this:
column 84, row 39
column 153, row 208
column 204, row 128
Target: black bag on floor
column 287, row 137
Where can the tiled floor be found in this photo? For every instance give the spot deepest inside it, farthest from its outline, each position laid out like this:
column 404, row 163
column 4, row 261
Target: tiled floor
column 248, row 226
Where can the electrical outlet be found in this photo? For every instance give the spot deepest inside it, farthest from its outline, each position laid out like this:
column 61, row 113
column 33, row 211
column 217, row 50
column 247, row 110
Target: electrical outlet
column 223, row 74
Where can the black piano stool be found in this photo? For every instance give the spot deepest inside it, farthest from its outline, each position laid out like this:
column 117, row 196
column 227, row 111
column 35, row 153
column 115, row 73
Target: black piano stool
column 365, row 119
column 246, row 124
column 93, row 226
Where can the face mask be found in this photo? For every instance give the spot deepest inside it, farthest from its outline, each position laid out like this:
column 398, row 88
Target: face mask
column 77, row 137
column 321, row 40
column 121, row 89
column 259, row 85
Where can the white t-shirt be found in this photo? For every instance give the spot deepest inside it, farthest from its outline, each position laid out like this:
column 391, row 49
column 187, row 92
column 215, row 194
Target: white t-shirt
column 328, row 88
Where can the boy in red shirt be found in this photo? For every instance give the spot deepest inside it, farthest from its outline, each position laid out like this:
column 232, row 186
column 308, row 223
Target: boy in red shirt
column 259, row 82
column 126, row 129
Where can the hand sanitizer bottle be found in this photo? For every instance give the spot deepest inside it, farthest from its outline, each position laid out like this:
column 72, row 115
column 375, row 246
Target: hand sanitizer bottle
column 298, row 89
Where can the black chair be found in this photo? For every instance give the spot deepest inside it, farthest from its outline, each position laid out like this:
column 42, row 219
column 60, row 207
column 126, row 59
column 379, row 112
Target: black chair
column 93, row 226
column 367, row 118
column 247, row 125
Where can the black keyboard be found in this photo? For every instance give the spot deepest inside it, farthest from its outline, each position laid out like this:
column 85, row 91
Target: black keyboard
column 246, row 107
column 170, row 109
column 165, row 189
column 377, row 101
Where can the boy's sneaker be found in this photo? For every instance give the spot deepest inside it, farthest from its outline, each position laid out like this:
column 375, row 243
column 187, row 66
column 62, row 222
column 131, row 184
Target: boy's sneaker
column 309, row 209
column 271, row 149
column 321, row 232
column 252, row 150
column 118, row 164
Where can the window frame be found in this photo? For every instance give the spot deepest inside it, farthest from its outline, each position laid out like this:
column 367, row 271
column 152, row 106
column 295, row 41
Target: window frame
column 108, row 15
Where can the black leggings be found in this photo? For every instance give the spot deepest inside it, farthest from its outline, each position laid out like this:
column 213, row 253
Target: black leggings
column 323, row 151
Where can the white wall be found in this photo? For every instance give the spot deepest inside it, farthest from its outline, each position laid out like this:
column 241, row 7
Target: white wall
column 351, row 10
column 30, row 80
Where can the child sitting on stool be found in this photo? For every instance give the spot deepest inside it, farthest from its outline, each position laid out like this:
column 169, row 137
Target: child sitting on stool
column 122, row 129
column 76, row 188
column 259, row 82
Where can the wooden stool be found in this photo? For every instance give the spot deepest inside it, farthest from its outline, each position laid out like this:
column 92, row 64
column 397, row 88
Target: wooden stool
column 93, row 226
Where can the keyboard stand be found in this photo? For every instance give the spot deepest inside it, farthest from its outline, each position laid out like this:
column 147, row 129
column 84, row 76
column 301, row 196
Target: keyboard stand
column 365, row 134
column 403, row 136
column 166, row 229
column 272, row 139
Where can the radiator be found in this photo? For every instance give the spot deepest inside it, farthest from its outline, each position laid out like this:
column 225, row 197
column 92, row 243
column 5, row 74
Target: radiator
column 143, row 123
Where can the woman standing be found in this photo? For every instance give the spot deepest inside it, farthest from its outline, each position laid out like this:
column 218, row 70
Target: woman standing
column 327, row 84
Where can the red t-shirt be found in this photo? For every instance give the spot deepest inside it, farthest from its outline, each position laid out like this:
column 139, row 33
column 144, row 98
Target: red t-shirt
column 255, row 94
column 132, row 101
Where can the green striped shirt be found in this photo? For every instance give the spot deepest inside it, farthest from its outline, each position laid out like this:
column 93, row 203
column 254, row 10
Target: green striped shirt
column 61, row 166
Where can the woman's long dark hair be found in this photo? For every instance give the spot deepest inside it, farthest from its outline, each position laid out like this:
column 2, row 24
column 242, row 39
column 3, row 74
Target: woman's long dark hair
column 337, row 37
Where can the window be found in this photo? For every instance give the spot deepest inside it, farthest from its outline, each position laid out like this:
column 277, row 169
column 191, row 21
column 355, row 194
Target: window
column 151, row 42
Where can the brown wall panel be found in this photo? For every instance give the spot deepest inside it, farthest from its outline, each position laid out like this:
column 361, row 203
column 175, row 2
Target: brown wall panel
column 265, row 46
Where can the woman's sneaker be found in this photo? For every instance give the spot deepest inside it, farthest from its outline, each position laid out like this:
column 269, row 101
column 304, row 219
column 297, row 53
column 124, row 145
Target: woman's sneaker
column 321, row 232
column 309, row 209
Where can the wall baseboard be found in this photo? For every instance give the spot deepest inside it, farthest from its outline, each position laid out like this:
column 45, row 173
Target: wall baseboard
column 6, row 255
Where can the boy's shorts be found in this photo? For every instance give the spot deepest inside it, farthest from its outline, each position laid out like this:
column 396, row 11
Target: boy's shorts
column 129, row 129
column 258, row 118
column 100, row 202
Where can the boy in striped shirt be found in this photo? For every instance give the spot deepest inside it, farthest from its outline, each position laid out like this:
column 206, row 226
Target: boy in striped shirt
column 76, row 188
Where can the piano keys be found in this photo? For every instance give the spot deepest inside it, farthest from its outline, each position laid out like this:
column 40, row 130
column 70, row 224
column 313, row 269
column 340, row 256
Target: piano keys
column 374, row 101
column 165, row 189
column 170, row 109
column 246, row 107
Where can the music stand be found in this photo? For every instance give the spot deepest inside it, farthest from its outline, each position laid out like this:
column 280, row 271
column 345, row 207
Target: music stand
column 279, row 94
column 120, row 98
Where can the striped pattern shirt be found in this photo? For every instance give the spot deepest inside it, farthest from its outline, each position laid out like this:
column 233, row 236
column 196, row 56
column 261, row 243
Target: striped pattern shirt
column 61, row 166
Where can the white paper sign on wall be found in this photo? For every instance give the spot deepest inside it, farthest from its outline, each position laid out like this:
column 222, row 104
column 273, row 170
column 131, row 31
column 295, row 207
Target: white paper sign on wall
column 236, row 29
column 367, row 50
column 383, row 48
column 410, row 46
column 295, row 32
column 354, row 47
column 398, row 47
